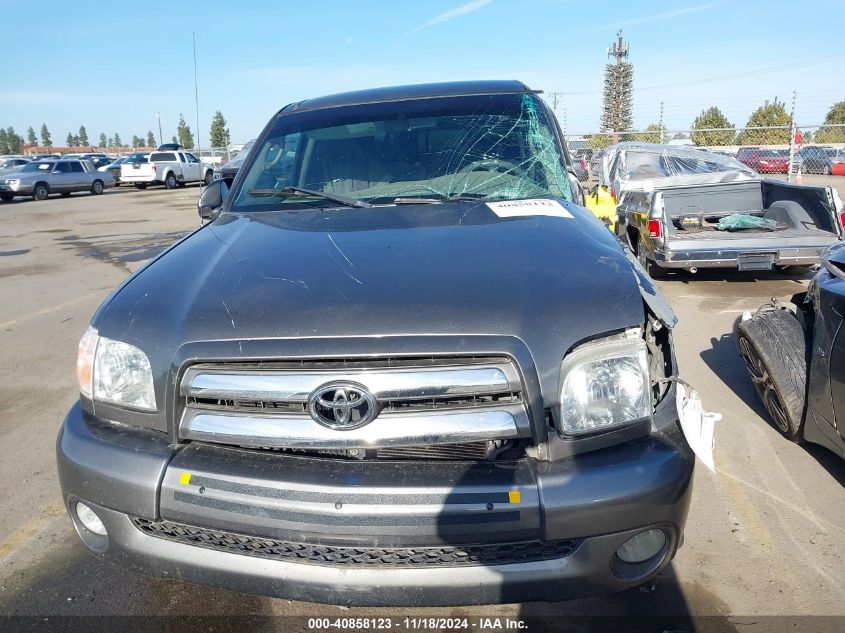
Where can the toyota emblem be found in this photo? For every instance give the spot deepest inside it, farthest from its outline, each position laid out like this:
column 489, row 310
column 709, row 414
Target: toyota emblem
column 342, row 406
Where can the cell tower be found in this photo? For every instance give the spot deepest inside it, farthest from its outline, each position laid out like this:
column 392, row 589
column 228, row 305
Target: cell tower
column 618, row 90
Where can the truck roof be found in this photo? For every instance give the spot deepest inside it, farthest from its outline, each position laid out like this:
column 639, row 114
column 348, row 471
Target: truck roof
column 415, row 91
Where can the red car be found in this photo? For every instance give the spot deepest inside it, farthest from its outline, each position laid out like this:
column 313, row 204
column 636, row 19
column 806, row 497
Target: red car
column 764, row 161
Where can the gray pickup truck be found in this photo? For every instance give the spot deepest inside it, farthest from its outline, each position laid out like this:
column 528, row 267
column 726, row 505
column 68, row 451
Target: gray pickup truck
column 397, row 366
column 689, row 209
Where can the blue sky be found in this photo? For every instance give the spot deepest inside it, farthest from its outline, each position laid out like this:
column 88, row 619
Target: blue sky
column 113, row 65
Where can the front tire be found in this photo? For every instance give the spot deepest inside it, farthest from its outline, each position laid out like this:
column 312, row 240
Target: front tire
column 774, row 349
column 97, row 187
column 209, row 176
column 41, row 191
column 170, row 181
column 7, row 197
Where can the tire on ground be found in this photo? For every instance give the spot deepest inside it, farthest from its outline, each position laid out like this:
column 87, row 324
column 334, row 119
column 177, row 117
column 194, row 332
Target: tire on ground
column 774, row 348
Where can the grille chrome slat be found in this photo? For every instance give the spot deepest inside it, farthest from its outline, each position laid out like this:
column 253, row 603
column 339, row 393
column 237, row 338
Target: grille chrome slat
column 421, row 382
column 405, row 429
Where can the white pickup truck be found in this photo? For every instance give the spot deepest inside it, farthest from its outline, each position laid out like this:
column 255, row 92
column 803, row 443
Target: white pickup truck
column 172, row 169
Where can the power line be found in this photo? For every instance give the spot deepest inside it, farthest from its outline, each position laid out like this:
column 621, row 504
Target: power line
column 749, row 73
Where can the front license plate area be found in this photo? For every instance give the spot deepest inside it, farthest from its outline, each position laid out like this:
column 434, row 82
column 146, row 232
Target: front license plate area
column 756, row 261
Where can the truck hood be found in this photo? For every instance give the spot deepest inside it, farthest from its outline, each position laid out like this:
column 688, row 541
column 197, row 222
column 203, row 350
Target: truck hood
column 405, row 270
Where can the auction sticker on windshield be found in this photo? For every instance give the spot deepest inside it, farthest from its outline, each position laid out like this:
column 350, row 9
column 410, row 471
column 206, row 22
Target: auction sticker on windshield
column 522, row 208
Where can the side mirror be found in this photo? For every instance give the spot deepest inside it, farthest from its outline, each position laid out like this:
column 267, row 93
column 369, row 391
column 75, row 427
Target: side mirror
column 212, row 198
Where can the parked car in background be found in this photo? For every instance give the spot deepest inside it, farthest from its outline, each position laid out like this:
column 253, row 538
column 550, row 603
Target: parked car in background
column 172, row 169
column 764, row 161
column 579, row 165
column 44, row 156
column 230, row 168
column 98, row 161
column 39, row 179
column 7, row 164
column 398, row 366
column 114, row 168
column 795, row 355
column 170, row 147
column 685, row 209
column 815, row 159
column 596, row 164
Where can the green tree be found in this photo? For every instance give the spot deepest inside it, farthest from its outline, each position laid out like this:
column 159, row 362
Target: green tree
column 117, row 141
column 14, row 143
column 4, row 142
column 173, row 139
column 46, row 141
column 600, row 141
column 69, row 140
column 103, row 140
column 30, row 136
column 770, row 114
column 151, row 139
column 828, row 134
column 183, row 131
column 219, row 136
column 651, row 134
column 136, row 142
column 711, row 127
column 76, row 140
column 83, row 135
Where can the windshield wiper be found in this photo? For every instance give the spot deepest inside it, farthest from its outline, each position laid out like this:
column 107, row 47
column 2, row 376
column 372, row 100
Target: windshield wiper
column 288, row 192
column 438, row 199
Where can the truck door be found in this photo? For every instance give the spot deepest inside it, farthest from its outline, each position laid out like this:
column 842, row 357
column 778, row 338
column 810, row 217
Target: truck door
column 195, row 166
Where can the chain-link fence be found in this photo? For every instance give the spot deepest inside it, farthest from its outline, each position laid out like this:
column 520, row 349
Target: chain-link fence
column 785, row 151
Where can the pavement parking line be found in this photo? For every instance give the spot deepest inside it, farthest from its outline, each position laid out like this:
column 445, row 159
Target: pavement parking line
column 24, row 533
column 38, row 313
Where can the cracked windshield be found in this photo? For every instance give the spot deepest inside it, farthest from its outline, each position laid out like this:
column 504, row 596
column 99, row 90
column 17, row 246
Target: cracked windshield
column 498, row 147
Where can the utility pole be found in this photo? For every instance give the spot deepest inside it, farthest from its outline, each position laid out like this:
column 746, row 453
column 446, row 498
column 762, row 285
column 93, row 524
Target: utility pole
column 792, row 135
column 196, row 91
column 618, row 89
column 660, row 124
column 160, row 137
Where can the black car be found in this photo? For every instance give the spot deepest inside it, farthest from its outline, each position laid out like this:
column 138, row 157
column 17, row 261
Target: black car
column 114, row 169
column 169, row 147
column 398, row 365
column 795, row 354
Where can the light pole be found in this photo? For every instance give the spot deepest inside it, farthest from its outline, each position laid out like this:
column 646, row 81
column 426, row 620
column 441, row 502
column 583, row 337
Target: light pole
column 160, row 137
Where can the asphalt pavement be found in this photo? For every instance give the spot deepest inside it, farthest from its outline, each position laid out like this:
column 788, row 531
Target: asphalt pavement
column 765, row 534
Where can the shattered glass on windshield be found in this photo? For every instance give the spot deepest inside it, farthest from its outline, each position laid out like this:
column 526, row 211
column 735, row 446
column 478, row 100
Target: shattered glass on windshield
column 490, row 147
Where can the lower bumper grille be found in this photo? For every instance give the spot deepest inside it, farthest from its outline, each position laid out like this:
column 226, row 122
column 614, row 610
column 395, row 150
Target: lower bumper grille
column 438, row 556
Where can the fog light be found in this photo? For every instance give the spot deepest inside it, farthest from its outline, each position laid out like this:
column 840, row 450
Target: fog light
column 89, row 519
column 641, row 547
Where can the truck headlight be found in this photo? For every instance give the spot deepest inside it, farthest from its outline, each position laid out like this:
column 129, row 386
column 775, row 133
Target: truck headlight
column 604, row 385
column 114, row 372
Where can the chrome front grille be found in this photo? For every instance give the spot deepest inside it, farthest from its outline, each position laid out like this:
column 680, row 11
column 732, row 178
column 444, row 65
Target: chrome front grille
column 420, row 402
